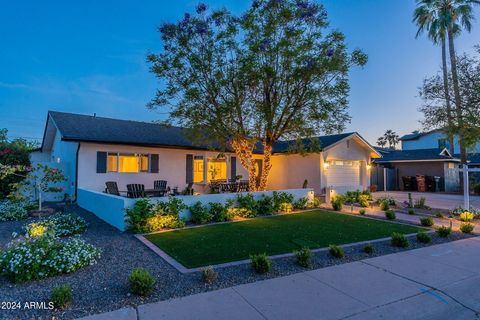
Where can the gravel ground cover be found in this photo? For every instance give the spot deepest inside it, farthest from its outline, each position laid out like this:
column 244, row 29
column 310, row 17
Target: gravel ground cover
column 103, row 287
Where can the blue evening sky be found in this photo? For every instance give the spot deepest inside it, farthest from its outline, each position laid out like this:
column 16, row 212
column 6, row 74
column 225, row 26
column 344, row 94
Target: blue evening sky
column 89, row 56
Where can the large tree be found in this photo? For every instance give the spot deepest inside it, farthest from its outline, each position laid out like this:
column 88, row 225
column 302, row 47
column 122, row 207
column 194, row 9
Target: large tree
column 429, row 19
column 275, row 72
column 434, row 102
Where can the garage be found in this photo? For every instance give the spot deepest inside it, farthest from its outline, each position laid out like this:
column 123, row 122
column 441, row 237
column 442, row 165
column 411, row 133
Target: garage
column 343, row 173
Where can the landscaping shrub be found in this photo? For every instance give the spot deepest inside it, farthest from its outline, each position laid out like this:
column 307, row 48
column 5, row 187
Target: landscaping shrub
column 384, row 205
column 61, row 296
column 62, row 225
column 13, row 210
column 351, row 196
column 315, row 203
column 390, row 215
column 219, row 212
column 304, row 257
column 285, row 207
column 337, row 202
column 248, row 205
column 261, row 263
column 158, row 222
column 444, row 231
column 466, row 227
column 147, row 217
column 411, row 211
column 440, row 215
column 399, row 240
column 209, row 275
column 45, row 256
column 364, row 200
column 426, row 221
column 421, row 204
column 459, row 210
column 265, row 205
column 301, row 204
column 336, row 251
column 423, row 237
column 466, row 216
column 200, row 213
column 280, row 199
column 137, row 216
column 369, row 248
column 362, row 212
column 13, row 152
column 141, row 282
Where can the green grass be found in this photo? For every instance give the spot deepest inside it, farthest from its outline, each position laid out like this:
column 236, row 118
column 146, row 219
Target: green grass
column 213, row 244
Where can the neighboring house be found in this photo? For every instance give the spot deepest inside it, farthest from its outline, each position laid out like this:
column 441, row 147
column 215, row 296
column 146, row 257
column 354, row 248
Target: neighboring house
column 92, row 150
column 402, row 164
column 432, row 139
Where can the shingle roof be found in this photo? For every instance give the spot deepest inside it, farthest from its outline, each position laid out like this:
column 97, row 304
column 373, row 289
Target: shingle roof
column 412, row 155
column 325, row 142
column 85, row 128
column 77, row 127
column 416, row 135
column 474, row 158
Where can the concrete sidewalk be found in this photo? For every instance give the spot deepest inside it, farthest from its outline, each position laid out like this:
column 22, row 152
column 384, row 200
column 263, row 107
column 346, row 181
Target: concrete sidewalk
column 437, row 282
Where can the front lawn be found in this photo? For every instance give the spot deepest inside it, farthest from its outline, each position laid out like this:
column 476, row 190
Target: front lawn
column 214, row 244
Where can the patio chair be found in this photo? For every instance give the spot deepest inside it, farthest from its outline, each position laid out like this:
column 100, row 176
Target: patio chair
column 160, row 187
column 112, row 188
column 135, row 190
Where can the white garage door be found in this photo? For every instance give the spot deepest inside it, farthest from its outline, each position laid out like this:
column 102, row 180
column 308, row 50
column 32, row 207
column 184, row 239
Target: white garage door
column 343, row 173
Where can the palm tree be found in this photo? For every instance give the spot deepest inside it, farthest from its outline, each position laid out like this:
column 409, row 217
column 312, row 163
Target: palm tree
column 458, row 14
column 381, row 142
column 428, row 18
column 392, row 138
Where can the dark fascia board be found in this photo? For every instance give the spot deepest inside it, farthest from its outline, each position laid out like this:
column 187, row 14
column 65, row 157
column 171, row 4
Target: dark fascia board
column 164, row 146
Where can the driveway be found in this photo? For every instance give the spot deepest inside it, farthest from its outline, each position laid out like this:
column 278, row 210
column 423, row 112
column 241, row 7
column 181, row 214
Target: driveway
column 434, row 200
column 436, row 282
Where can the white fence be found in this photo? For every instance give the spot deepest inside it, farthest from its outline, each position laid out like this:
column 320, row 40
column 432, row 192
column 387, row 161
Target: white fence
column 111, row 208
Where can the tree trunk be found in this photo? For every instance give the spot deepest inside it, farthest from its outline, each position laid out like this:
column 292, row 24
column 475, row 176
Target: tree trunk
column 266, row 166
column 458, row 99
column 447, row 95
column 243, row 148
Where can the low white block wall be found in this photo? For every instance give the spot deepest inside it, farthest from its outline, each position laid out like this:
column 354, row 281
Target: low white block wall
column 111, row 208
column 107, row 207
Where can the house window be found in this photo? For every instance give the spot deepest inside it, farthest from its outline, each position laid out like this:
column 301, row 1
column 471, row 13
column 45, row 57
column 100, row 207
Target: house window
column 198, row 171
column 127, row 162
column 443, row 143
column 112, row 162
column 217, row 169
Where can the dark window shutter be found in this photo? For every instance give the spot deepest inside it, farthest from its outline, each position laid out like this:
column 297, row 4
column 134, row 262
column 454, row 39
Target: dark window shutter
column 189, row 169
column 233, row 167
column 154, row 163
column 101, row 162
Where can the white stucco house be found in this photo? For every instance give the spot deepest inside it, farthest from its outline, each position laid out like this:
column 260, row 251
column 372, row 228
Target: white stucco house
column 92, row 150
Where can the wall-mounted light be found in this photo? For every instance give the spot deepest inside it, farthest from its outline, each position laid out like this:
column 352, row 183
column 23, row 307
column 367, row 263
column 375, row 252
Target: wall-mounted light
column 369, row 166
column 326, row 165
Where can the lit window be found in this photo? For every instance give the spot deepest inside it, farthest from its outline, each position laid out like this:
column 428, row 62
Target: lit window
column 112, row 162
column 120, row 162
column 128, row 163
column 198, row 169
column 217, row 169
column 143, row 158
